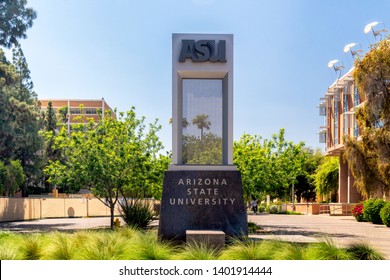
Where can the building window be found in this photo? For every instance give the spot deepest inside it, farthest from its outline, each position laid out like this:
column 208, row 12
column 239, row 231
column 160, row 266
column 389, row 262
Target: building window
column 356, row 97
column 346, row 108
column 345, row 99
column 355, row 128
column 75, row 110
column 90, row 111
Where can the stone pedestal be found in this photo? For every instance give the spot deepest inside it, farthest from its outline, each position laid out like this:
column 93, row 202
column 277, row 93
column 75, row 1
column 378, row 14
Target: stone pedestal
column 214, row 239
column 202, row 200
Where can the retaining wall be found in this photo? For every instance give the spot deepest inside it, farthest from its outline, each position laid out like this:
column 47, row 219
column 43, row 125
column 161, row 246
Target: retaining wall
column 18, row 209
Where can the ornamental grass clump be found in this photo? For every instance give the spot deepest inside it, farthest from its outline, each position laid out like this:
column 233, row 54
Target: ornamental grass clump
column 7, row 253
column 104, row 246
column 31, row 247
column 136, row 212
column 250, row 250
column 62, row 247
column 288, row 251
column 146, row 246
column 361, row 250
column 325, row 250
column 197, row 251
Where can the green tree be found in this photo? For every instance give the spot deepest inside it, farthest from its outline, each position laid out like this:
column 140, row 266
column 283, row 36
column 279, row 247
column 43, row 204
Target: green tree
column 64, row 116
column 15, row 19
column 113, row 157
column 326, row 178
column 290, row 158
column 50, row 127
column 268, row 166
column 369, row 157
column 202, row 122
column 207, row 150
column 50, row 118
column 19, row 118
column 12, row 177
column 29, row 122
column 3, row 177
column 305, row 187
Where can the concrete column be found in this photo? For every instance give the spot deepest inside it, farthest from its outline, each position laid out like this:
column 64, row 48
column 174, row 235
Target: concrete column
column 343, row 181
column 354, row 195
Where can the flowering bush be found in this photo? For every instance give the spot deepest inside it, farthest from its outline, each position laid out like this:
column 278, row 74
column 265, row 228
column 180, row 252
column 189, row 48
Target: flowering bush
column 357, row 212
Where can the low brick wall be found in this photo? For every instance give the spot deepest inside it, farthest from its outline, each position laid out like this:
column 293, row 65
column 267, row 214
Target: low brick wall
column 19, row 209
column 305, row 208
column 341, row 209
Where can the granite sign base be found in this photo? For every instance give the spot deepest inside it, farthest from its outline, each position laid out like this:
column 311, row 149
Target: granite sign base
column 202, row 200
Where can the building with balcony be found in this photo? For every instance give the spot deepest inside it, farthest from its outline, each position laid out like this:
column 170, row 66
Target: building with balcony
column 338, row 106
column 90, row 108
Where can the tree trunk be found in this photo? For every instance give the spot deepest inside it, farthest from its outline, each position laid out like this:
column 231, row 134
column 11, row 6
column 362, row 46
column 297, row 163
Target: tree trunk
column 112, row 208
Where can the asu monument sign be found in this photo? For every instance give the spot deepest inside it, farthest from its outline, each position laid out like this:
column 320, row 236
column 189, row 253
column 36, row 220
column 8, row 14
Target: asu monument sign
column 202, row 188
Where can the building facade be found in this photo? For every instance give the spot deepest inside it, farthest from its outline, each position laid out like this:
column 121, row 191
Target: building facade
column 90, row 108
column 338, row 107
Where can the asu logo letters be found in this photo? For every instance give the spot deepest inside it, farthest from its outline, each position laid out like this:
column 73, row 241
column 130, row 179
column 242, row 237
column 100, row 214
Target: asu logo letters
column 203, row 50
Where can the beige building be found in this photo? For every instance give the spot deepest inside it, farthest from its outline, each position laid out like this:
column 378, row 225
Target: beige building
column 338, row 107
column 91, row 108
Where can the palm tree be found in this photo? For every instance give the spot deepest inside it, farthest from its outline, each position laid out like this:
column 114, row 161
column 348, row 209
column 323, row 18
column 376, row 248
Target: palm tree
column 202, row 122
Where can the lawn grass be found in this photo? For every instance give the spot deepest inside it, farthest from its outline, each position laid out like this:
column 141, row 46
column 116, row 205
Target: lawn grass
column 132, row 244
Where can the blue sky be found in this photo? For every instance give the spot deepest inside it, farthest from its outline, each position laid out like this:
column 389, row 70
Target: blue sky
column 121, row 50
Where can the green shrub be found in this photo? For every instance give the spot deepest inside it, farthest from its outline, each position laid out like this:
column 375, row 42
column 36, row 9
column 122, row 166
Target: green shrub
column 273, row 209
column 293, row 213
column 372, row 209
column 385, row 214
column 367, row 209
column 252, row 227
column 262, row 208
column 136, row 212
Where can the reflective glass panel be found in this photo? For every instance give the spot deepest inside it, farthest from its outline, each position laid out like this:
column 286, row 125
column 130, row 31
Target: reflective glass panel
column 202, row 121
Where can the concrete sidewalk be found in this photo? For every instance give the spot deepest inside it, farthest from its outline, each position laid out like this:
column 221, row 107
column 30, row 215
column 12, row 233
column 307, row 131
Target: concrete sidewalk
column 343, row 230
column 60, row 224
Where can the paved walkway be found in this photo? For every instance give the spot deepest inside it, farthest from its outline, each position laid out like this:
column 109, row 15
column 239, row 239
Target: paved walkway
column 300, row 228
column 62, row 224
